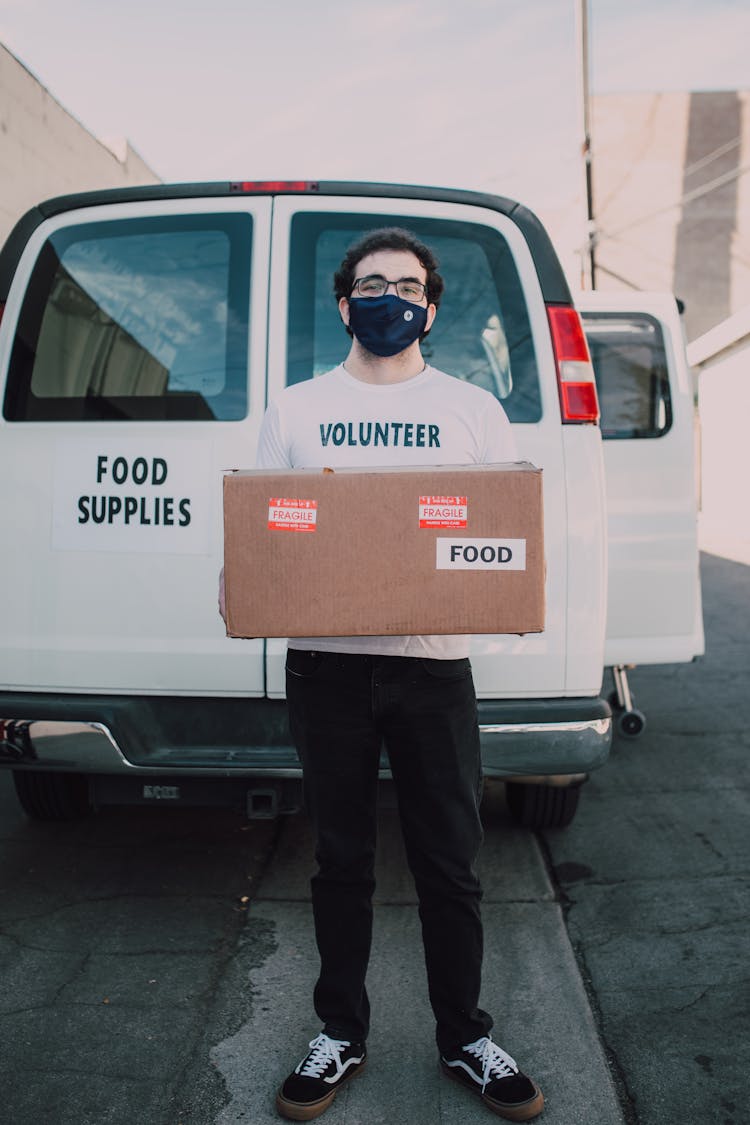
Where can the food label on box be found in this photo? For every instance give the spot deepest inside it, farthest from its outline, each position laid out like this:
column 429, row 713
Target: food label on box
column 292, row 515
column 443, row 511
column 480, row 554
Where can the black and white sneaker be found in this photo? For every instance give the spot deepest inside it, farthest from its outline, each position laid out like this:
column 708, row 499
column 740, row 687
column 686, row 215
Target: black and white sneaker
column 486, row 1070
column 312, row 1086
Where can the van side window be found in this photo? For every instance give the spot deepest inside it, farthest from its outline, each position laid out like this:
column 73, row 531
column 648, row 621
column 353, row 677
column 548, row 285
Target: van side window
column 482, row 332
column 135, row 319
column 630, row 366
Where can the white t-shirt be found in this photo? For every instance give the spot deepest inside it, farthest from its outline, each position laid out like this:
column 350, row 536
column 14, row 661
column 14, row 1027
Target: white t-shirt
column 338, row 421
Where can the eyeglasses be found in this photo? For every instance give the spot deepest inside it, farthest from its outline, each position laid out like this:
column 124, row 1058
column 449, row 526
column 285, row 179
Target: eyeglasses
column 408, row 288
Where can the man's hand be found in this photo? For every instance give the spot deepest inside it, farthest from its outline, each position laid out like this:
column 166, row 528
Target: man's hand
column 222, row 597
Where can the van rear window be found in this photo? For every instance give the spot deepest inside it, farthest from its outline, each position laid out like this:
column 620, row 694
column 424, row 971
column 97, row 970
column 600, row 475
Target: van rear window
column 136, row 319
column 630, row 366
column 482, row 332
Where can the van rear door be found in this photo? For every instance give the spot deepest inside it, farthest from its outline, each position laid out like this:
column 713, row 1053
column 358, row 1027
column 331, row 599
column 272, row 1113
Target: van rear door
column 648, row 421
column 492, row 330
column 128, row 352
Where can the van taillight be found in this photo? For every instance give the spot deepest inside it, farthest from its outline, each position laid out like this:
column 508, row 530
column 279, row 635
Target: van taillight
column 2, row 310
column 575, row 372
column 273, row 185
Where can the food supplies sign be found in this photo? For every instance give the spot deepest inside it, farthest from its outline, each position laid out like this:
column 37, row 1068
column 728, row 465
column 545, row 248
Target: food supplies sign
column 132, row 496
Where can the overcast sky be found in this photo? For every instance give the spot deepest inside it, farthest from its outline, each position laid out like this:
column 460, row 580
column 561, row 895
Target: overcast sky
column 467, row 93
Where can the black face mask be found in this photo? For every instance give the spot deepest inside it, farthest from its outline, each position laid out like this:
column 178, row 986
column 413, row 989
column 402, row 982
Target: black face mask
column 386, row 325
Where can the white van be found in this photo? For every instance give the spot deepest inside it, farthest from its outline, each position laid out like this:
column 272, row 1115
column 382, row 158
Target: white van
column 143, row 331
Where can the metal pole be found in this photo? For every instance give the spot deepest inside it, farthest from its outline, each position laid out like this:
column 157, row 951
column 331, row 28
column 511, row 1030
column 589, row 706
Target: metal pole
column 587, row 156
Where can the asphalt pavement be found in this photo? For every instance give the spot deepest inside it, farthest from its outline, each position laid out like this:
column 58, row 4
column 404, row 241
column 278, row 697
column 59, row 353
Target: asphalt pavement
column 156, row 965
column 653, row 875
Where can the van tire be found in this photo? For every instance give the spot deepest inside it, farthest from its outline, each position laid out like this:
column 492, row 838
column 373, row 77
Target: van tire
column 52, row 796
column 542, row 806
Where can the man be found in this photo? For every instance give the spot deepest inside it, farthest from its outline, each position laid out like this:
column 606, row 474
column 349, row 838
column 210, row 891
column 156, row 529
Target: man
column 349, row 695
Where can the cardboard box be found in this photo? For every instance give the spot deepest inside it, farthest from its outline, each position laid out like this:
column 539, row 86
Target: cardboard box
column 450, row 549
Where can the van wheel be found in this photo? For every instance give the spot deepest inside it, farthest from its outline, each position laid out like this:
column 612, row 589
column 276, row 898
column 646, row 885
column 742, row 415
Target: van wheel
column 542, row 806
column 52, row 796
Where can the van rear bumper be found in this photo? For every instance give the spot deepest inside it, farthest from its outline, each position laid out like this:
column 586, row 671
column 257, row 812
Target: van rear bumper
column 249, row 738
column 544, row 736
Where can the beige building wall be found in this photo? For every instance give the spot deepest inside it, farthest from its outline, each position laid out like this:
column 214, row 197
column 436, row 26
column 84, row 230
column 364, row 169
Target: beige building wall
column 722, row 360
column 45, row 152
column 671, row 179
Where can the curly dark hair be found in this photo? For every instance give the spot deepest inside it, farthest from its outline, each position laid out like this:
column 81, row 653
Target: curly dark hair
column 388, row 238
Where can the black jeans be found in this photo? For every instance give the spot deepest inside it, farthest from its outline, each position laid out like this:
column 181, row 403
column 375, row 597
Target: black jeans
column 343, row 708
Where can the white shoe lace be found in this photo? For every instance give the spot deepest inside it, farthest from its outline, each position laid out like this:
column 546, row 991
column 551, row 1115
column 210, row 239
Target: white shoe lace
column 323, row 1051
column 496, row 1063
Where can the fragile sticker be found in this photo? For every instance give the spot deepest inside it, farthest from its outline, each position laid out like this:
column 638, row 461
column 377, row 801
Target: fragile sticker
column 286, row 514
column 443, row 511
column 480, row 554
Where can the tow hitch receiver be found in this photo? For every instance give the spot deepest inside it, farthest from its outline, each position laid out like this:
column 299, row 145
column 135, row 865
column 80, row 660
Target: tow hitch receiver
column 262, row 804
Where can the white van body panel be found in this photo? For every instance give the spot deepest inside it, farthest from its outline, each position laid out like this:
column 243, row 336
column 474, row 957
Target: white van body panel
column 89, row 613
column 504, row 667
column 587, row 558
column 654, row 612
